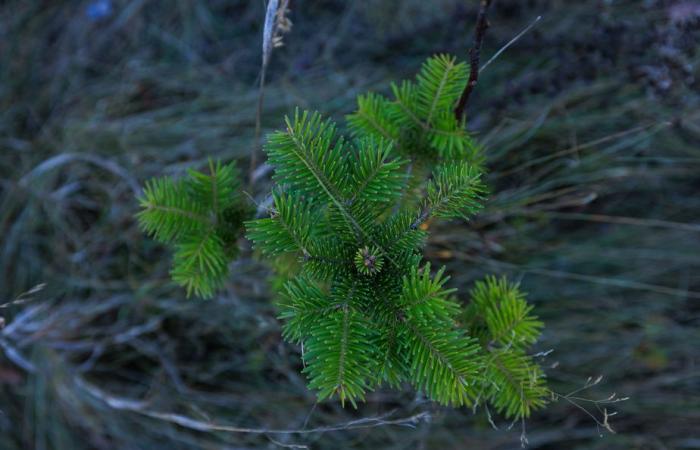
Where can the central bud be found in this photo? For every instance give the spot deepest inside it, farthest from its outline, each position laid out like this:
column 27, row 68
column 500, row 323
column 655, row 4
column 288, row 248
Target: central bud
column 369, row 260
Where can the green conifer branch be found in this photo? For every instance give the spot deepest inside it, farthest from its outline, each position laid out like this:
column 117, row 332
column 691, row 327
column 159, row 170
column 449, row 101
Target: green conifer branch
column 377, row 174
column 365, row 245
column 167, row 212
column 346, row 233
column 300, row 304
column 455, row 191
column 440, row 83
column 445, row 362
column 200, row 264
column 338, row 355
column 201, row 216
column 499, row 308
column 513, row 384
column 288, row 230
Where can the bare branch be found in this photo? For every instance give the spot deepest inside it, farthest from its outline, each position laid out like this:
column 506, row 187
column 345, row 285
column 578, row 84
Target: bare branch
column 139, row 406
column 509, row 43
column 482, row 25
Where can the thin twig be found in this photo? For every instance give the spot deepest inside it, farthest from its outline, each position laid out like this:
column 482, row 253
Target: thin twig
column 139, row 407
column 605, row 281
column 618, row 220
column 511, row 42
column 65, row 158
column 24, row 297
column 482, row 25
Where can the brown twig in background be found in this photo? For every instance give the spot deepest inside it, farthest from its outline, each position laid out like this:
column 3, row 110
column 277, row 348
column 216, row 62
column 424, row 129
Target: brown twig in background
column 482, row 25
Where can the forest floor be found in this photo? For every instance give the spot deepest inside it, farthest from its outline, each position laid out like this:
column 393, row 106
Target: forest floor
column 591, row 127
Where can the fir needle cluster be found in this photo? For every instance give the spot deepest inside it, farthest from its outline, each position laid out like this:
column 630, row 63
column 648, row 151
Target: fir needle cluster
column 201, row 216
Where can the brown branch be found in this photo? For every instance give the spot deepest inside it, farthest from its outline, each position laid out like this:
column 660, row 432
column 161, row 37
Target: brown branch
column 482, row 25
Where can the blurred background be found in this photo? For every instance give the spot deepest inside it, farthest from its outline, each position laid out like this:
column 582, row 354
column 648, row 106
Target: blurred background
column 591, row 125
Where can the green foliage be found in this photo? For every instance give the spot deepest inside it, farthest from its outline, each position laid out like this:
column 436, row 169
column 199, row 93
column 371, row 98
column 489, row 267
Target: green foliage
column 345, row 231
column 338, row 354
column 288, row 230
column 369, row 261
column 454, row 191
column 500, row 311
column 201, row 216
column 349, row 211
column 501, row 319
column 419, row 121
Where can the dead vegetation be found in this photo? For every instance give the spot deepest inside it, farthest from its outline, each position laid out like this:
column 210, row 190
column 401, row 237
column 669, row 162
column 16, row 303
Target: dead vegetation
column 592, row 128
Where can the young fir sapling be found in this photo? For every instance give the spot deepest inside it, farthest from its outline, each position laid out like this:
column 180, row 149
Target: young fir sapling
column 351, row 215
column 201, row 216
column 352, row 210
